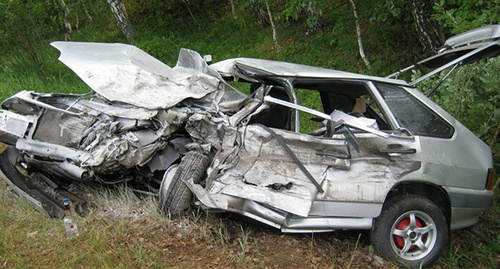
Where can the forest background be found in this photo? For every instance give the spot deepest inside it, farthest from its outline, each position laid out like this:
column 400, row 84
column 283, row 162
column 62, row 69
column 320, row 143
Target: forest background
column 375, row 37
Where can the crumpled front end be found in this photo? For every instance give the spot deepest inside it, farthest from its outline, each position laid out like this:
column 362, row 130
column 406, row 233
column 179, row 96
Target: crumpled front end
column 130, row 128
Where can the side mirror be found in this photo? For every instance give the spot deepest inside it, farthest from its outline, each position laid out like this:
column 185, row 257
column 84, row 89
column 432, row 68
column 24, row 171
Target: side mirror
column 207, row 58
column 332, row 126
column 350, row 137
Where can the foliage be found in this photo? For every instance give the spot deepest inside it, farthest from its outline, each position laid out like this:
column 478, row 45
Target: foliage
column 207, row 26
column 23, row 31
column 470, row 94
column 388, row 11
column 464, row 15
column 310, row 10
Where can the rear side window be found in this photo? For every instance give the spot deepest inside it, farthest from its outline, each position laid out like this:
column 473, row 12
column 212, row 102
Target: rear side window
column 412, row 114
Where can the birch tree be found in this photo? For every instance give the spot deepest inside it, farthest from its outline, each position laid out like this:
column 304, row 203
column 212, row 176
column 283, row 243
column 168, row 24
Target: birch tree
column 118, row 9
column 259, row 12
column 233, row 9
column 67, row 24
column 275, row 38
column 429, row 33
column 358, row 31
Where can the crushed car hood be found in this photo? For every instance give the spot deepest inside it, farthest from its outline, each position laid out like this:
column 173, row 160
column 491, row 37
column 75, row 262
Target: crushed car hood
column 126, row 74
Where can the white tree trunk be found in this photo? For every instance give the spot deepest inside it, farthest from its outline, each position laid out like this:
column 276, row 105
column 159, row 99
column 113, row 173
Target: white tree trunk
column 275, row 38
column 429, row 33
column 233, row 9
column 86, row 10
column 118, row 9
column 67, row 24
column 259, row 12
column 360, row 41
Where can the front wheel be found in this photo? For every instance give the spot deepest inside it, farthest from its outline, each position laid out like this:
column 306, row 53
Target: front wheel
column 175, row 196
column 411, row 230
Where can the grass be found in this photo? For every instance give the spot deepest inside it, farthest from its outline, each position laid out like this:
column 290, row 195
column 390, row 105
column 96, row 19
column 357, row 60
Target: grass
column 121, row 232
column 17, row 74
column 124, row 231
column 468, row 250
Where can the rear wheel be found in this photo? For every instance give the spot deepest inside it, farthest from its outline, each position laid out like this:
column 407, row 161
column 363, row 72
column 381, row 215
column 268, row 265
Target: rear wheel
column 411, row 230
column 175, row 196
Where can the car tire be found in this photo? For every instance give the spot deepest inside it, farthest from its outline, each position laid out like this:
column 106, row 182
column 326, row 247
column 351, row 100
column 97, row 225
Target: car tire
column 38, row 193
column 411, row 230
column 175, row 196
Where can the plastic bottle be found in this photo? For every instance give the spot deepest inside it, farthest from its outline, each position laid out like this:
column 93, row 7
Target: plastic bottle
column 69, row 225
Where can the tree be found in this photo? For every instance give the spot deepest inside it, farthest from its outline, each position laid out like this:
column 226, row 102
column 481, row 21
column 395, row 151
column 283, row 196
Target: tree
column 429, row 32
column 459, row 16
column 24, row 25
column 233, row 9
column 358, row 31
column 275, row 38
column 67, row 24
column 305, row 10
column 259, row 12
column 118, row 9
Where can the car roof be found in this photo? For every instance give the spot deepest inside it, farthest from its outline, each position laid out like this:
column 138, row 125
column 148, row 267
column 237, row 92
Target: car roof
column 259, row 68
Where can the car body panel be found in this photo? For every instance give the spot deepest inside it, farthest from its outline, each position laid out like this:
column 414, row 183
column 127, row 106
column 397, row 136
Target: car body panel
column 144, row 115
column 127, row 74
column 244, row 67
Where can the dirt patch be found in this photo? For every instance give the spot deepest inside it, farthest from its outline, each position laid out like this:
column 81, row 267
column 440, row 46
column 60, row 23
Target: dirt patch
column 209, row 240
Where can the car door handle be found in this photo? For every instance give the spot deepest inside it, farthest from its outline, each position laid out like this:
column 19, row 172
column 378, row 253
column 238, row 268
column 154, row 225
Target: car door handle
column 397, row 150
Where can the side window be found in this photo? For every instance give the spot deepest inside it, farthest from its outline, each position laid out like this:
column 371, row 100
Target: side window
column 347, row 99
column 354, row 99
column 276, row 116
column 412, row 114
column 310, row 99
column 337, row 101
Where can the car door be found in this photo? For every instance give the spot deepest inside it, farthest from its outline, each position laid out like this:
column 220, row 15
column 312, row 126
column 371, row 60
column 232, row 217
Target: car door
column 381, row 159
column 311, row 174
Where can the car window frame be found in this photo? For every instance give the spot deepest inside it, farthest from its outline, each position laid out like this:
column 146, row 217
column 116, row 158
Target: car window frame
column 424, row 104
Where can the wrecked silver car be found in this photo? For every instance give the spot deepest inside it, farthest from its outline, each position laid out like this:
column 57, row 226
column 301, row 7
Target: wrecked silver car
column 382, row 156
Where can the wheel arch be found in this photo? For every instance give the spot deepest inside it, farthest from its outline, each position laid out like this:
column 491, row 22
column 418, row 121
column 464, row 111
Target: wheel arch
column 435, row 193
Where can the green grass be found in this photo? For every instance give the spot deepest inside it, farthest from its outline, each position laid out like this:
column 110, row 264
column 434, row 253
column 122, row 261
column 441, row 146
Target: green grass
column 30, row 239
column 124, row 231
column 17, row 74
column 467, row 250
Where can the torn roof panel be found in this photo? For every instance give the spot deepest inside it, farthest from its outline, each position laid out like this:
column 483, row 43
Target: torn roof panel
column 124, row 73
column 230, row 67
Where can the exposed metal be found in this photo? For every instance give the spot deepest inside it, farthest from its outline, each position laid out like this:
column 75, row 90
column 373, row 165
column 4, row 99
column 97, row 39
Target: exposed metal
column 460, row 49
column 473, row 36
column 467, row 57
column 143, row 116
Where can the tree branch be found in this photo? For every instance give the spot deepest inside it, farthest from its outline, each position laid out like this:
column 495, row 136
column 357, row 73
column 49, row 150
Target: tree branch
column 360, row 41
column 275, row 38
